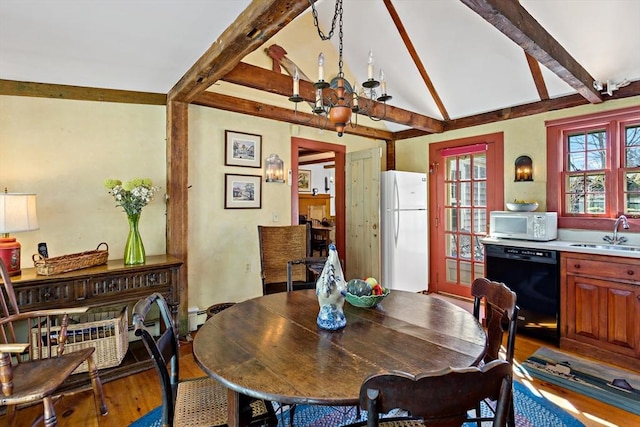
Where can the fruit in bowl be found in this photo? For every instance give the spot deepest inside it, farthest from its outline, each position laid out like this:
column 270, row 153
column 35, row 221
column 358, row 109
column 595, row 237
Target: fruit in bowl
column 365, row 292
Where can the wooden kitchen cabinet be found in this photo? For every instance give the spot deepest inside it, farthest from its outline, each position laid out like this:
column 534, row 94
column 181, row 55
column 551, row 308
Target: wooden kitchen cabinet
column 600, row 307
column 108, row 285
column 307, row 201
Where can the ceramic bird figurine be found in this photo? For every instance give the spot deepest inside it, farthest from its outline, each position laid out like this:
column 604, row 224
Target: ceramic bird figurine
column 330, row 290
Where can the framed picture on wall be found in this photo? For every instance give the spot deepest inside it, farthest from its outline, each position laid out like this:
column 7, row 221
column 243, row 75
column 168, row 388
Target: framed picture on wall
column 242, row 149
column 304, row 181
column 242, row 191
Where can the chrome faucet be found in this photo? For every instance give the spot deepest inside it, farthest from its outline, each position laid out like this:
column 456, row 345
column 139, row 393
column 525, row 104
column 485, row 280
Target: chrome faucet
column 615, row 240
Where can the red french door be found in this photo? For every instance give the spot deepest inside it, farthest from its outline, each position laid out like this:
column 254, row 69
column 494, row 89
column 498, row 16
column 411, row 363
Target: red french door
column 466, row 183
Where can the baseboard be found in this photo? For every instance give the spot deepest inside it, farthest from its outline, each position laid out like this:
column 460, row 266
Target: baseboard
column 454, row 296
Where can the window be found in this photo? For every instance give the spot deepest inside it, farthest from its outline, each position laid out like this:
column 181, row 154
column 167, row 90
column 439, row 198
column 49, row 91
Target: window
column 631, row 170
column 593, row 168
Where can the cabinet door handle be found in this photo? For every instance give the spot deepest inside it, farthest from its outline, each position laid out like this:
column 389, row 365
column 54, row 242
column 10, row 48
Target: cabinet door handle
column 576, row 265
column 630, row 272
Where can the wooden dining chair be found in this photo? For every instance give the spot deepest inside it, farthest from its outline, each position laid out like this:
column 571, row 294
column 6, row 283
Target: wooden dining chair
column 319, row 238
column 318, row 212
column 500, row 317
column 33, row 367
column 439, row 398
column 194, row 402
column 285, row 258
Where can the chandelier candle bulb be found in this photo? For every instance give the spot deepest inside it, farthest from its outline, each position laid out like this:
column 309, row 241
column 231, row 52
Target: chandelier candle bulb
column 321, row 67
column 296, row 83
column 355, row 97
column 383, row 83
column 370, row 66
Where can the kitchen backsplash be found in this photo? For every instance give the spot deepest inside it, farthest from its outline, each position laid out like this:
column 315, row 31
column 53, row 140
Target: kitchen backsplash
column 633, row 239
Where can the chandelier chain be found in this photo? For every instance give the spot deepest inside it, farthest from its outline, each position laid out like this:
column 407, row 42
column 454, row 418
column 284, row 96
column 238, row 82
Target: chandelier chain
column 343, row 103
column 340, row 34
column 337, row 13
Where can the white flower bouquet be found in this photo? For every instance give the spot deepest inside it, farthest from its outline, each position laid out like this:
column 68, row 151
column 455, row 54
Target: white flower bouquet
column 132, row 195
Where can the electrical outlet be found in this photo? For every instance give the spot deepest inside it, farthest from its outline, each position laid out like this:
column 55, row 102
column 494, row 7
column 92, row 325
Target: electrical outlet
column 275, row 217
column 248, row 267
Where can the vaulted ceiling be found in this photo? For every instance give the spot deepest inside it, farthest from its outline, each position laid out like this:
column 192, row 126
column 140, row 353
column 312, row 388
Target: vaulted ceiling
column 448, row 63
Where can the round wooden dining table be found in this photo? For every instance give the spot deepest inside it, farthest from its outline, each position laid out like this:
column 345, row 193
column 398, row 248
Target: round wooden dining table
column 271, row 348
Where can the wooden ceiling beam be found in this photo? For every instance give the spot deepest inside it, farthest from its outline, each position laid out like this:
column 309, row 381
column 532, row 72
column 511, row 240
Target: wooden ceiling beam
column 510, row 18
column 416, row 58
column 633, row 89
column 280, row 84
column 536, row 73
column 517, row 111
column 253, row 27
column 259, row 109
column 46, row 90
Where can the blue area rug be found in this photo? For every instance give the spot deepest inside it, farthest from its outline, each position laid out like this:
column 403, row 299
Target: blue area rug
column 150, row 419
column 617, row 387
column 530, row 411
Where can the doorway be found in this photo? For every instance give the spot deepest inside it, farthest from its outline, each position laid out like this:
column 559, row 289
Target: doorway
column 299, row 145
column 466, row 183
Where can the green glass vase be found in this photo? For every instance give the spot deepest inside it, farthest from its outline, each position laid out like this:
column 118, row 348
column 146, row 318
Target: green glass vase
column 134, row 249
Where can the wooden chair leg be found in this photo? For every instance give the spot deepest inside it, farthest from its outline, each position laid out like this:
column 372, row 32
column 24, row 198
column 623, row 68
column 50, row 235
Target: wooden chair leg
column 479, row 414
column 11, row 415
column 50, row 419
column 96, row 384
column 512, row 416
column 292, row 410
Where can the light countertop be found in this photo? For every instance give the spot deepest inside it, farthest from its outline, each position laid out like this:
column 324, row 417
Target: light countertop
column 566, row 246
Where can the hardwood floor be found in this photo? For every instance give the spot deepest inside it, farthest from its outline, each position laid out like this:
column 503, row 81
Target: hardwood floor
column 131, row 397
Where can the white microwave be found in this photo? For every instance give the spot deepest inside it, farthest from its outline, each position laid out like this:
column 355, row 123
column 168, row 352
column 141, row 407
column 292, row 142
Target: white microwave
column 541, row 226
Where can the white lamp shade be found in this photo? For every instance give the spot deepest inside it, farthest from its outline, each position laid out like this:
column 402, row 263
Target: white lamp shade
column 18, row 213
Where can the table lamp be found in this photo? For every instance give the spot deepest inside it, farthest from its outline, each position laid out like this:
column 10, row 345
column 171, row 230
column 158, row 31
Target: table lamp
column 17, row 214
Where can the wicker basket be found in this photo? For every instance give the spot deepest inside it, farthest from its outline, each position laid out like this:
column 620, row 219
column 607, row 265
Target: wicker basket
column 106, row 331
column 62, row 264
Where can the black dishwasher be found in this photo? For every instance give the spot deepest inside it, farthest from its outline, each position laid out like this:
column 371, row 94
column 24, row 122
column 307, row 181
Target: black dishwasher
column 534, row 275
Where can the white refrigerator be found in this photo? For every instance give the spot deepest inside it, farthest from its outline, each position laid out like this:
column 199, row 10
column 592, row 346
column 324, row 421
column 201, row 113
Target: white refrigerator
column 403, row 223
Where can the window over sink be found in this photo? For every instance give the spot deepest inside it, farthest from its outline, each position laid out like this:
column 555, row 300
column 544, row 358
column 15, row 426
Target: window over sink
column 595, row 159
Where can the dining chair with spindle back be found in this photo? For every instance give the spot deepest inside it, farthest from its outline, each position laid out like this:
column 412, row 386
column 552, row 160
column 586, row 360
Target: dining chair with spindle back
column 191, row 402
column 34, row 368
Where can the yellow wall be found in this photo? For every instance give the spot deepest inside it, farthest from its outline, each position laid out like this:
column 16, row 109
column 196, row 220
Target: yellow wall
column 63, row 151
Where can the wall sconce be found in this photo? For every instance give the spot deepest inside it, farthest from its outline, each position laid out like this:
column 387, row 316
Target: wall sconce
column 274, row 168
column 524, row 169
column 17, row 213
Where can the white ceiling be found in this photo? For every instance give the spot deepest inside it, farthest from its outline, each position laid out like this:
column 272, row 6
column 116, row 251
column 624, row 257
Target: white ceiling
column 148, row 45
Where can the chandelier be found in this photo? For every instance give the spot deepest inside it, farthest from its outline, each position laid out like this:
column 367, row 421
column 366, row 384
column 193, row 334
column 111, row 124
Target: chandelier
column 336, row 100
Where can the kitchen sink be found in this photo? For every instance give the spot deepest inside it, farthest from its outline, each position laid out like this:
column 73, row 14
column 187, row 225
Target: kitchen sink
column 607, row 247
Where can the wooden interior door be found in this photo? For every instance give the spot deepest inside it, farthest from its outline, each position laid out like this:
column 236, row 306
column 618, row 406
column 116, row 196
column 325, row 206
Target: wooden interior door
column 362, row 213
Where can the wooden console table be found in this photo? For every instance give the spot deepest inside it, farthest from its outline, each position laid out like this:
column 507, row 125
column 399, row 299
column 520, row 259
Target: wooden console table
column 105, row 285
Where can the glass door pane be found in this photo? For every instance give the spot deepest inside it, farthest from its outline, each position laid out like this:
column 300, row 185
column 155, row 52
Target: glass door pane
column 465, row 217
